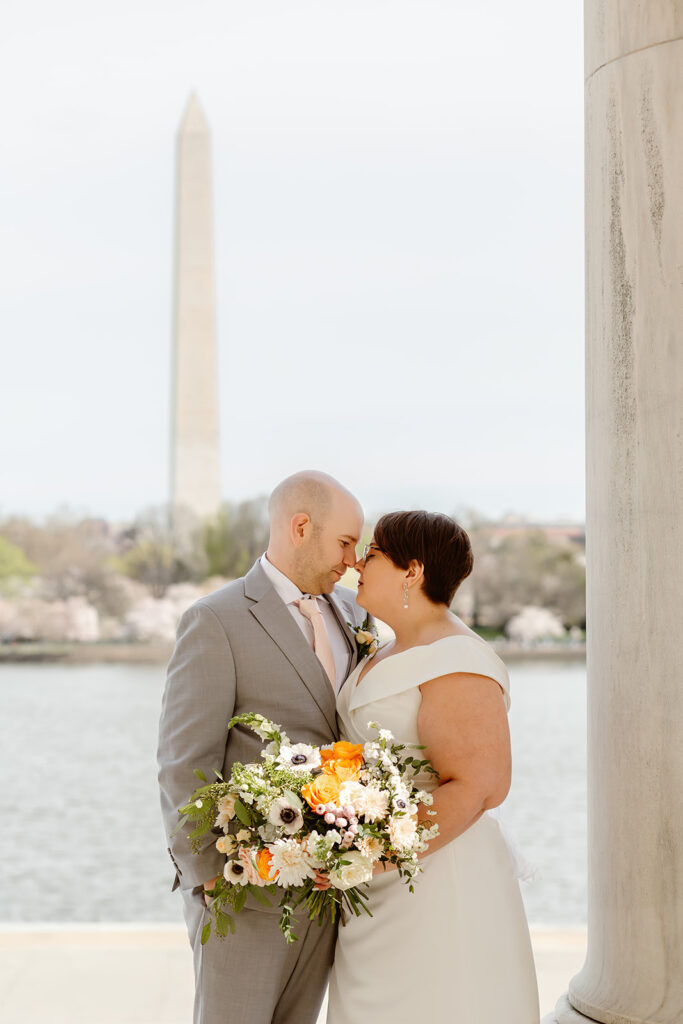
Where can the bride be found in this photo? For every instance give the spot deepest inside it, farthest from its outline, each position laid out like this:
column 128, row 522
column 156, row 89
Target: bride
column 458, row 950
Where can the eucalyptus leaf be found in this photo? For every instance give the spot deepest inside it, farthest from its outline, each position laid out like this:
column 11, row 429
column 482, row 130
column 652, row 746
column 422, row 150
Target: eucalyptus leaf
column 293, row 799
column 179, row 825
column 242, row 813
column 206, row 931
column 257, row 893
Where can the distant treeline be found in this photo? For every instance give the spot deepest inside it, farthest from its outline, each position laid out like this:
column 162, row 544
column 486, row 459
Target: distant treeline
column 517, row 566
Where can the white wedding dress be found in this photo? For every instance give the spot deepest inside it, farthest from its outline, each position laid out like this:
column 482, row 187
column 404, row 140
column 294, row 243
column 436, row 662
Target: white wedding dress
column 457, row 950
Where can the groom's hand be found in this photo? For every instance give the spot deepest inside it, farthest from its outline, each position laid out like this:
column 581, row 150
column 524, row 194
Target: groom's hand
column 208, row 889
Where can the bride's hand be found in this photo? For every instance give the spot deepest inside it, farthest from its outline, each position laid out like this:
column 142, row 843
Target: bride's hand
column 322, row 881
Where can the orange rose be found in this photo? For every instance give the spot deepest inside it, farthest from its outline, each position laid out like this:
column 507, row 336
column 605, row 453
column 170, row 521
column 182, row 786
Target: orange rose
column 345, row 771
column 264, row 859
column 345, row 760
column 323, row 790
column 343, row 751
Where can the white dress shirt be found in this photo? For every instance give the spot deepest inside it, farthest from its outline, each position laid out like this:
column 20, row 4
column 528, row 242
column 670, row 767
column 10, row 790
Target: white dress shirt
column 291, row 595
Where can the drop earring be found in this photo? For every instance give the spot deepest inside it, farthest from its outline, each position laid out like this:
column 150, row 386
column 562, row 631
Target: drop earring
column 405, row 595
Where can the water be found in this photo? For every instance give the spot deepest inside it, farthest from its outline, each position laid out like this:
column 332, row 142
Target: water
column 81, row 836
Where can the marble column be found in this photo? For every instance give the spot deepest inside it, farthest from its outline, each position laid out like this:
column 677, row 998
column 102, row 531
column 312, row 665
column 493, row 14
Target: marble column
column 634, row 530
column 195, row 462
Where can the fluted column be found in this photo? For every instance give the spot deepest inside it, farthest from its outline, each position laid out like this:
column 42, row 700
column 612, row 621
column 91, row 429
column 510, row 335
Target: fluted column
column 634, row 391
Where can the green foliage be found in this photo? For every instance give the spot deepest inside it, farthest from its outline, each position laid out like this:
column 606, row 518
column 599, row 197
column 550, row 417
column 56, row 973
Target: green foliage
column 151, row 562
column 15, row 567
column 235, row 538
column 523, row 568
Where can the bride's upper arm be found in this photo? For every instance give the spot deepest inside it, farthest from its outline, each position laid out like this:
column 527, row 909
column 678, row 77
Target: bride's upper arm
column 463, row 724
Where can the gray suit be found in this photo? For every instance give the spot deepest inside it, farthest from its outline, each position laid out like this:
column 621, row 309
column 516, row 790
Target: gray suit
column 238, row 650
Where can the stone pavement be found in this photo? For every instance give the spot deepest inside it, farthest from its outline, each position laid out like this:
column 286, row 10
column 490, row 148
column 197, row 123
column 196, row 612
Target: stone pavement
column 142, row 974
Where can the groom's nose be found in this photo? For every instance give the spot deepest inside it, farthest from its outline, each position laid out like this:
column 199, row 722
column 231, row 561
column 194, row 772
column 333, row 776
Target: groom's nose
column 350, row 557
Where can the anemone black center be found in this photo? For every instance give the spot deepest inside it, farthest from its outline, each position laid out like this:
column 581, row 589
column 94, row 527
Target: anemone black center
column 287, row 815
column 299, row 759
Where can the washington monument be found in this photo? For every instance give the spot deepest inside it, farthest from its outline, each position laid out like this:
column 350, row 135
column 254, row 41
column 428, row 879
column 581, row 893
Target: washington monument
column 195, row 461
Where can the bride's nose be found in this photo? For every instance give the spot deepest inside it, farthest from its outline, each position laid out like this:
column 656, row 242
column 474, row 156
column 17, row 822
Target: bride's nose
column 360, row 565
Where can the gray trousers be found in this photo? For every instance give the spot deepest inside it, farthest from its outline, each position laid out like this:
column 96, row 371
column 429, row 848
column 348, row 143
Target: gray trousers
column 254, row 976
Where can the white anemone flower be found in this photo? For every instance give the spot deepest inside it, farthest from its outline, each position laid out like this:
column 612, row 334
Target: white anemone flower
column 285, row 816
column 299, row 757
column 234, row 872
column 401, row 801
column 291, row 862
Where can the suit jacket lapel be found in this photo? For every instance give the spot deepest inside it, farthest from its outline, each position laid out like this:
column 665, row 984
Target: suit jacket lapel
column 343, row 616
column 276, row 618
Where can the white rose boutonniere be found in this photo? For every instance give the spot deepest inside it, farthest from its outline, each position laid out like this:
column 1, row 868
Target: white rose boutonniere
column 367, row 640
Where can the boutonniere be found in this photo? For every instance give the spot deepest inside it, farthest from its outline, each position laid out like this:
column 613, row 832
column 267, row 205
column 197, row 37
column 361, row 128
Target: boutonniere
column 367, row 638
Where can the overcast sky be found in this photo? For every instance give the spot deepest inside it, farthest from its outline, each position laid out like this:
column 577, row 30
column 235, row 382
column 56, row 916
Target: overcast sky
column 399, row 248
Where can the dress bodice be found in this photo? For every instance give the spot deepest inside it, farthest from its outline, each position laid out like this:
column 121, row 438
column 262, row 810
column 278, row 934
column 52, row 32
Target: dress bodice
column 389, row 692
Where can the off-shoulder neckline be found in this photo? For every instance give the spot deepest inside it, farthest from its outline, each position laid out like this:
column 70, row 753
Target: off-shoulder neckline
column 415, row 647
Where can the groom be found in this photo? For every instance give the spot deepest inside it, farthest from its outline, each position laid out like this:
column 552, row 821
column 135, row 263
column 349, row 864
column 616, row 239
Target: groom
column 258, row 645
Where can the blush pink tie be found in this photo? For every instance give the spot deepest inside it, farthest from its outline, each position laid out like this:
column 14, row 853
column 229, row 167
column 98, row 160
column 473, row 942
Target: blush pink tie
column 308, row 606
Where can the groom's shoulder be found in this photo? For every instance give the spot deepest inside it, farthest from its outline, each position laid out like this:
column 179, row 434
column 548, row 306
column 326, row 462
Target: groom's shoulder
column 226, row 600
column 230, row 595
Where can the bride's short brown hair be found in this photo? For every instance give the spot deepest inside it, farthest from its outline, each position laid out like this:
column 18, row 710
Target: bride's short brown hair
column 435, row 540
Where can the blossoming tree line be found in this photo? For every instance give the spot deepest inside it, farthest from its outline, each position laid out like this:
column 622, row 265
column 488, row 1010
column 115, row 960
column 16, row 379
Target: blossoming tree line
column 70, row 579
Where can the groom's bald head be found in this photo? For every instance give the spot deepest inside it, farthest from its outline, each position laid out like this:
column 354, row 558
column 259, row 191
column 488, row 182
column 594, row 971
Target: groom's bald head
column 315, row 523
column 310, row 492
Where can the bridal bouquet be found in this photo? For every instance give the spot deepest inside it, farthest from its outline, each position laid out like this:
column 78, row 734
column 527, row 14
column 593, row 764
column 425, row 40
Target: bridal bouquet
column 307, row 814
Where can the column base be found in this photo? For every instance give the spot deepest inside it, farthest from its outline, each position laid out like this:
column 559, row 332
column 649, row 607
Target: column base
column 564, row 1013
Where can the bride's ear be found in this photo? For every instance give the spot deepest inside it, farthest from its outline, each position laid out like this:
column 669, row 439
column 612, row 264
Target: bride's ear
column 414, row 573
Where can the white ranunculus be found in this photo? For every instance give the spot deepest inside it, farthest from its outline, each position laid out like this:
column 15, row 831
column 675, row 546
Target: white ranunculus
column 352, row 794
column 299, row 757
column 403, row 832
column 355, row 872
column 285, row 816
column 234, row 872
column 291, row 862
column 364, row 636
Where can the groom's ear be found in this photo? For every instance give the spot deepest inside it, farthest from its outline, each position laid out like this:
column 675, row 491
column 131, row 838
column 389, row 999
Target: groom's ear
column 299, row 528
